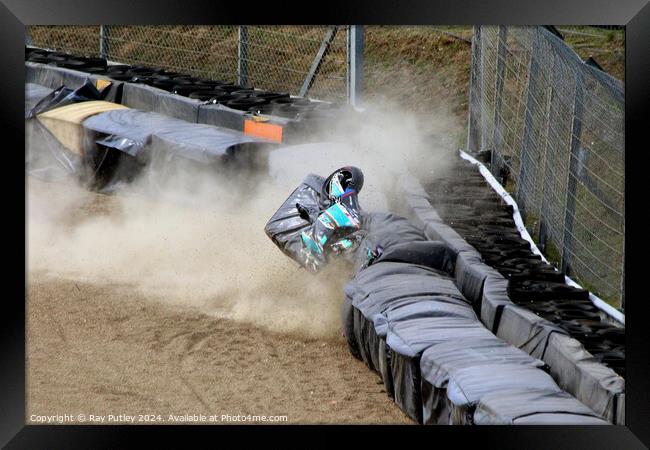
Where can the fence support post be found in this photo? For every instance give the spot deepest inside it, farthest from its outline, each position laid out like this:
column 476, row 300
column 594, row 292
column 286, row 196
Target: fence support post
column 543, row 211
column 104, row 36
column 501, row 73
column 242, row 62
column 330, row 34
column 475, row 99
column 527, row 141
column 355, row 64
column 570, row 210
column 623, row 281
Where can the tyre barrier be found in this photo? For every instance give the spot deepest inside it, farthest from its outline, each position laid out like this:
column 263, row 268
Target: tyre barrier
column 229, row 88
column 211, row 94
column 244, row 104
column 34, row 93
column 523, row 299
column 152, row 89
column 185, row 89
column 406, row 315
column 165, row 82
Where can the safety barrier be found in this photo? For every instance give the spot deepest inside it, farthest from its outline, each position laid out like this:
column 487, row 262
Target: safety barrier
column 409, row 315
column 270, row 115
column 416, row 289
column 520, row 322
column 102, row 144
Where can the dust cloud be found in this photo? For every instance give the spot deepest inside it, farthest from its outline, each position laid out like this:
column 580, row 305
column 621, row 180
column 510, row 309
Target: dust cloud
column 199, row 242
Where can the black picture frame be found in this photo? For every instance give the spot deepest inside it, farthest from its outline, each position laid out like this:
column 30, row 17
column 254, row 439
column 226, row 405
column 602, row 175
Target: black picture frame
column 634, row 14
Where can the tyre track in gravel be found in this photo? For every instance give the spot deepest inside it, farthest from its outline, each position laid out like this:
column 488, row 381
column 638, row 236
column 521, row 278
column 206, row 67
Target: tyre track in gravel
column 125, row 354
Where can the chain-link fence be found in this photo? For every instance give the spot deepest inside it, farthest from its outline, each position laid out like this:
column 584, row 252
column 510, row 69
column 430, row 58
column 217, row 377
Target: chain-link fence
column 423, row 69
column 280, row 58
column 555, row 127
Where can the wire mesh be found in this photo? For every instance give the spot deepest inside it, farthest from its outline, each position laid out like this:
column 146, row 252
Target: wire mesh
column 555, row 126
column 422, row 69
column 81, row 40
column 275, row 58
column 280, row 58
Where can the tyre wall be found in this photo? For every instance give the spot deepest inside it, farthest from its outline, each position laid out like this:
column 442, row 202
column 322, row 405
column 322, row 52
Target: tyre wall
column 505, row 308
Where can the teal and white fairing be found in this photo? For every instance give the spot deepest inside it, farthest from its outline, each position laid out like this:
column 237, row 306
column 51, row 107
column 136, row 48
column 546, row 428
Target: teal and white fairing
column 336, row 228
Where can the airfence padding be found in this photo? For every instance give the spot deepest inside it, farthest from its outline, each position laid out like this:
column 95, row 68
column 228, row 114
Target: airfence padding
column 138, row 140
column 467, row 386
column 408, row 339
column 396, row 311
column 423, row 253
column 34, row 93
column 526, row 407
column 526, row 330
column 470, row 275
column 201, row 143
column 438, row 364
column 147, row 98
column 494, row 299
column 593, row 383
column 45, row 157
column 54, row 77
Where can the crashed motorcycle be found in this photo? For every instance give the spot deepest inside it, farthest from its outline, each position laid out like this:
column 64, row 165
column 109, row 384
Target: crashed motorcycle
column 321, row 219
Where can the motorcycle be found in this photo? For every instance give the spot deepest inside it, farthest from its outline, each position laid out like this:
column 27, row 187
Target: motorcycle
column 321, row 219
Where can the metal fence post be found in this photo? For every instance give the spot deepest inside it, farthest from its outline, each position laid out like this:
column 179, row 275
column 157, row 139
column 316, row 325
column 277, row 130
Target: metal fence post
column 355, row 64
column 242, row 64
column 570, row 210
column 483, row 92
column 543, row 210
column 527, row 141
column 104, row 36
column 623, row 248
column 330, row 34
column 623, row 282
column 473, row 130
column 501, row 73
